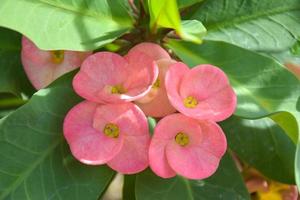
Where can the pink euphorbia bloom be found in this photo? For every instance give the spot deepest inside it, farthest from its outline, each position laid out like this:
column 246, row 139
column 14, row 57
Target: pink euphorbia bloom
column 156, row 102
column 186, row 146
column 43, row 67
column 202, row 92
column 154, row 51
column 109, row 78
column 112, row 134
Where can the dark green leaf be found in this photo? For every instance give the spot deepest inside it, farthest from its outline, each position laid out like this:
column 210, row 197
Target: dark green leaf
column 35, row 159
column 129, row 187
column 12, row 76
column 187, row 3
column 226, row 183
column 264, row 145
column 67, row 24
column 264, row 25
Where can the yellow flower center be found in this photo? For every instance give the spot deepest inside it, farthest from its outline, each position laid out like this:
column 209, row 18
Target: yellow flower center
column 156, row 84
column 111, row 130
column 274, row 192
column 182, row 139
column 57, row 56
column 190, row 102
column 117, row 89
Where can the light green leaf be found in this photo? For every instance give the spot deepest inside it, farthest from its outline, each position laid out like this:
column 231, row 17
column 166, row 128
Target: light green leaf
column 288, row 123
column 35, row 160
column 264, row 145
column 152, row 124
column 297, row 166
column 67, row 24
column 226, row 183
column 193, row 30
column 263, row 25
column 12, row 76
column 262, row 85
column 164, row 14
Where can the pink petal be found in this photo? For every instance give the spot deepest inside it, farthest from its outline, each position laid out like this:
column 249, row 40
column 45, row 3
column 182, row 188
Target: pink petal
column 173, row 80
column 143, row 73
column 40, row 68
column 130, row 119
column 104, row 70
column 150, row 49
column 98, row 71
column 209, row 85
column 133, row 157
column 164, row 134
column 198, row 160
column 157, row 103
column 158, row 160
column 72, row 60
column 89, row 145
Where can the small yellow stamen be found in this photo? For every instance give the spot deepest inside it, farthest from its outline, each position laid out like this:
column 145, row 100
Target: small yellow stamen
column 190, row 102
column 275, row 191
column 156, row 84
column 117, row 89
column 57, row 56
column 182, row 139
column 111, row 130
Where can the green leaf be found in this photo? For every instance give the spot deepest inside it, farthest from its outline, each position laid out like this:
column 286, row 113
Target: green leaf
column 152, row 124
column 187, row 3
column 262, row 85
column 297, row 165
column 35, row 160
column 193, row 30
column 67, row 24
column 129, row 187
column 263, row 145
column 164, row 14
column 288, row 123
column 226, row 183
column 263, row 25
column 12, row 77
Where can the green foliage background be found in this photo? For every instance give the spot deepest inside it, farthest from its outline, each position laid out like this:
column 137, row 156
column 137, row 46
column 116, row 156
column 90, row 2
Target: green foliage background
column 241, row 37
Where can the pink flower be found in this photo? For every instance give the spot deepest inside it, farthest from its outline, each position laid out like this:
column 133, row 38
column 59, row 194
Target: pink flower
column 202, row 92
column 109, row 78
column 186, row 146
column 43, row 67
column 112, row 134
column 154, row 51
column 156, row 102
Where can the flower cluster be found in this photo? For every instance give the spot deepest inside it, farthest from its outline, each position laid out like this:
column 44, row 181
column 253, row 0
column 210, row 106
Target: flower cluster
column 110, row 126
